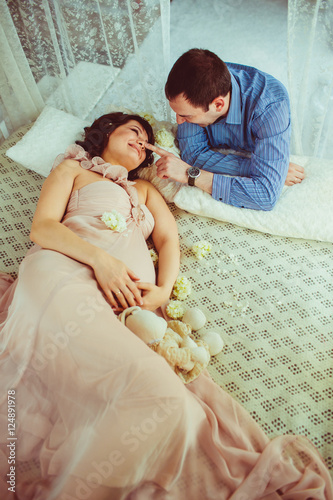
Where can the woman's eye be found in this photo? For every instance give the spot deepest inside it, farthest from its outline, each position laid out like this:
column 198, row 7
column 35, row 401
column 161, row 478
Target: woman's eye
column 135, row 130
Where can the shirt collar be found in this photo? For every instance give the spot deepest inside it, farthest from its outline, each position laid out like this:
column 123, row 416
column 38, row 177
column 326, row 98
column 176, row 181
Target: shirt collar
column 234, row 115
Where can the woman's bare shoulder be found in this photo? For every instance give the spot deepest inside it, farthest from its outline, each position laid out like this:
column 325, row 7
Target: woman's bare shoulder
column 67, row 168
column 142, row 187
column 69, row 164
column 142, row 182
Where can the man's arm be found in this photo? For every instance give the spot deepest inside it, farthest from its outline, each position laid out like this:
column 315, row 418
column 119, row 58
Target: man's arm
column 196, row 150
column 257, row 182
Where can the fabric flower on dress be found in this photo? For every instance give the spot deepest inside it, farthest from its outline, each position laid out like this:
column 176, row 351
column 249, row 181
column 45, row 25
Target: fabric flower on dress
column 115, row 221
column 164, row 138
column 201, row 249
column 182, row 288
column 154, row 256
column 175, row 309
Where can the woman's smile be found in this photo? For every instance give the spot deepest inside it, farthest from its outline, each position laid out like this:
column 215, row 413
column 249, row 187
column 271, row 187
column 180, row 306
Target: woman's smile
column 128, row 137
column 139, row 149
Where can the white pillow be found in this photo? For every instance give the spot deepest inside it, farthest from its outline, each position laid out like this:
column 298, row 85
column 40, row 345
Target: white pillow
column 304, row 210
column 50, row 135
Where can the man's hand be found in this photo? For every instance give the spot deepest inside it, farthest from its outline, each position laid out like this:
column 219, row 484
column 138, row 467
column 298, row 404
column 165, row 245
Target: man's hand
column 169, row 166
column 295, row 174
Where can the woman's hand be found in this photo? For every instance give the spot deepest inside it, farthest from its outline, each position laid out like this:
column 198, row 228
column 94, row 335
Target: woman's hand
column 118, row 282
column 153, row 296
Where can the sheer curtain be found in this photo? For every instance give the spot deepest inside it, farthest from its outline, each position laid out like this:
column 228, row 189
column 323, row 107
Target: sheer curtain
column 85, row 55
column 70, row 53
column 20, row 98
column 310, row 68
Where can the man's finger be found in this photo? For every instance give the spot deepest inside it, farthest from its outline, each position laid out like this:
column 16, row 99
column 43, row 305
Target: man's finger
column 159, row 151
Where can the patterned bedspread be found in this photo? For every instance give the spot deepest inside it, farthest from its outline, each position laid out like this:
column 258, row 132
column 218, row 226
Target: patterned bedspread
column 269, row 297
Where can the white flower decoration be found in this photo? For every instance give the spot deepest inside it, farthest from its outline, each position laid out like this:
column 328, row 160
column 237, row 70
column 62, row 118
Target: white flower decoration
column 154, row 256
column 201, row 249
column 115, row 221
column 175, row 309
column 182, row 288
column 147, row 116
column 165, row 138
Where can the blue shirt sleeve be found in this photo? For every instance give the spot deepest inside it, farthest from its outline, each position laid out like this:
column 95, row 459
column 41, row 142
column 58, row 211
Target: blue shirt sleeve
column 196, row 150
column 254, row 182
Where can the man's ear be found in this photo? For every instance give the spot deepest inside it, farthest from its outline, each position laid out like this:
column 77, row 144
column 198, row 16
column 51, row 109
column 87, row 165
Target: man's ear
column 219, row 103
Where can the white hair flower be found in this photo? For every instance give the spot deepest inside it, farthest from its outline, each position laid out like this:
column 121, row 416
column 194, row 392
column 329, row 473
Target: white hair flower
column 147, row 116
column 175, row 309
column 154, row 256
column 182, row 288
column 201, row 249
column 115, row 221
column 164, row 138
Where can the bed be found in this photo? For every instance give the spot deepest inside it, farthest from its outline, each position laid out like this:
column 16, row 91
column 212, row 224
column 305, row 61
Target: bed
column 270, row 297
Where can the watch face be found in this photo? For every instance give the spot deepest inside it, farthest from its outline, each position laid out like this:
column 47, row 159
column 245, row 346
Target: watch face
column 194, row 172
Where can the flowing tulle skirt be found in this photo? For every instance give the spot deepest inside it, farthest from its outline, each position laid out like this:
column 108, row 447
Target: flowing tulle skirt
column 104, row 417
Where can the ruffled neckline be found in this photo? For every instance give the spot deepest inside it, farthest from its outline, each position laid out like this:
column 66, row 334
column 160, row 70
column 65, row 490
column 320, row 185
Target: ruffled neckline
column 116, row 173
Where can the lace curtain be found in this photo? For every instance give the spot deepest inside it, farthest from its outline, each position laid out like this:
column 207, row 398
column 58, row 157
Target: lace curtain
column 310, row 67
column 70, row 53
column 84, row 55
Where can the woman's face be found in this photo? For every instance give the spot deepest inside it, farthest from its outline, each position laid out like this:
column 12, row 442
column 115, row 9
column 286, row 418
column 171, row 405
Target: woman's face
column 126, row 146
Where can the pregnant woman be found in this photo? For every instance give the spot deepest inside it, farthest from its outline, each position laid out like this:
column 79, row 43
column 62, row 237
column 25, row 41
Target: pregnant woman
column 98, row 413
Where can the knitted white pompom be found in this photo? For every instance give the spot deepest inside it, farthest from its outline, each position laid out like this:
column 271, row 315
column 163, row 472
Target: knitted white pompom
column 195, row 318
column 214, row 342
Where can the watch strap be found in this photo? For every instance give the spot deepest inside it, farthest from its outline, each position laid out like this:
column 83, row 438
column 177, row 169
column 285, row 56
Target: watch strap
column 192, row 174
column 190, row 180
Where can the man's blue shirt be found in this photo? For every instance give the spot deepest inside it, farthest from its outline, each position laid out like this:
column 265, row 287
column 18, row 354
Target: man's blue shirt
column 257, row 124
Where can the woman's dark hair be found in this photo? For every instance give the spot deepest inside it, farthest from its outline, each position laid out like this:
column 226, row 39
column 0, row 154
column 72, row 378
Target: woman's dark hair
column 97, row 136
column 201, row 76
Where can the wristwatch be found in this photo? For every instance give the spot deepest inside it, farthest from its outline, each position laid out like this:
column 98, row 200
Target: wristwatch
column 193, row 173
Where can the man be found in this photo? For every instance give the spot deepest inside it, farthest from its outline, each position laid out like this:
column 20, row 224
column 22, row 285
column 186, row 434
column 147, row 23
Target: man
column 236, row 107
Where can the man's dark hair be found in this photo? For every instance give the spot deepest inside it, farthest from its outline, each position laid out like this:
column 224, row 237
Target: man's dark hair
column 97, row 136
column 201, row 76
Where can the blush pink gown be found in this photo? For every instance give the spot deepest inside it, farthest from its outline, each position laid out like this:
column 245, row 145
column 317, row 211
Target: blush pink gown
column 103, row 416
